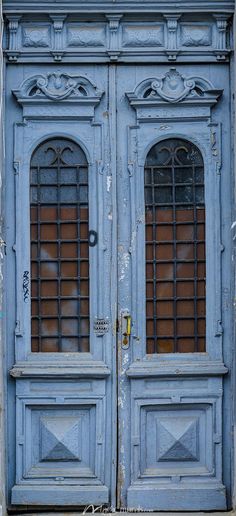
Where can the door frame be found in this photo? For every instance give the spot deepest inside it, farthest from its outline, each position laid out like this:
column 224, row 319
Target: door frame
column 114, row 30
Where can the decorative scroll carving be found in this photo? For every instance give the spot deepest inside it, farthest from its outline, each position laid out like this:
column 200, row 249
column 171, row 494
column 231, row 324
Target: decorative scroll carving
column 114, row 25
column 221, row 24
column 146, row 36
column 58, row 25
column 57, row 86
column 172, row 27
column 195, row 36
column 36, row 37
column 86, row 37
column 13, row 29
column 174, row 87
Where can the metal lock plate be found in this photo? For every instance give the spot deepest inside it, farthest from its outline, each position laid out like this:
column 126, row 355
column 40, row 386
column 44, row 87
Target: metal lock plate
column 100, row 326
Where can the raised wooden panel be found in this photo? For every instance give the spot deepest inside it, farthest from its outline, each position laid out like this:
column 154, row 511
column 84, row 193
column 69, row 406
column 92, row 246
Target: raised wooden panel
column 175, row 440
column 62, row 444
column 61, row 440
column 176, row 444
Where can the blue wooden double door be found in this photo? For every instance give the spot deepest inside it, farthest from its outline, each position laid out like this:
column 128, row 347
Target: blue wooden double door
column 120, row 187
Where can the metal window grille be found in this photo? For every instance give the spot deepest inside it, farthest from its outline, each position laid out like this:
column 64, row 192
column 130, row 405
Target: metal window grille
column 59, row 248
column 175, row 248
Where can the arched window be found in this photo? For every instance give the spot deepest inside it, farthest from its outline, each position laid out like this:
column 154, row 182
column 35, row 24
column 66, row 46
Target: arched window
column 59, row 248
column 175, row 248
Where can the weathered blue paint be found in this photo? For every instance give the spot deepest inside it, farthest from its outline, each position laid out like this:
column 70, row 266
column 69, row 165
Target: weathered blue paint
column 81, row 407
column 169, row 407
column 163, row 396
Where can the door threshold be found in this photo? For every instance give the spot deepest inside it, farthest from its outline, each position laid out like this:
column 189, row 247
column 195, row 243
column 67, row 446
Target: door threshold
column 123, row 512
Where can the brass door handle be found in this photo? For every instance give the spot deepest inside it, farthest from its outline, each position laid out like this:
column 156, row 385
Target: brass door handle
column 126, row 323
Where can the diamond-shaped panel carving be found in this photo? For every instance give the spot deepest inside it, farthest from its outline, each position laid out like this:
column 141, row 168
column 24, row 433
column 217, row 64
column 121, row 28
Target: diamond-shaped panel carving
column 177, row 439
column 60, row 439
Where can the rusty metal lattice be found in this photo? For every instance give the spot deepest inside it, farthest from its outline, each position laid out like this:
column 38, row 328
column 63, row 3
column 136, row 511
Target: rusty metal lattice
column 175, row 248
column 59, row 248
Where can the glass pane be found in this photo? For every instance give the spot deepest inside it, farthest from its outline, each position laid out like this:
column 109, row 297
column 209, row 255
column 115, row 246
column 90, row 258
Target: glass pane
column 59, row 248
column 175, row 248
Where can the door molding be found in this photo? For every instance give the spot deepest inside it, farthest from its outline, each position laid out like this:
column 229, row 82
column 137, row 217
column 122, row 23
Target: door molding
column 48, row 400
column 170, row 36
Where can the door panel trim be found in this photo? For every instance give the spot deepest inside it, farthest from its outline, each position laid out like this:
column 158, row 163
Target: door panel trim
column 66, row 495
column 168, row 498
column 61, row 370
column 168, row 368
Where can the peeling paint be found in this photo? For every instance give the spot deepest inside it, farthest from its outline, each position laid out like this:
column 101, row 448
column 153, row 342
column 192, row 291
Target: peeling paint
column 164, row 127
column 140, row 220
column 124, row 265
column 125, row 358
column 109, row 181
column 92, row 509
column 120, row 402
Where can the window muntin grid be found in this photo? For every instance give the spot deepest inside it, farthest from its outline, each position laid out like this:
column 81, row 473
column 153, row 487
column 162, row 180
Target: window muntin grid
column 175, row 248
column 59, row 248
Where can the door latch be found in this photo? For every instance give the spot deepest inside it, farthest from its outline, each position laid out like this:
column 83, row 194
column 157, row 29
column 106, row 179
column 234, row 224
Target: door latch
column 125, row 329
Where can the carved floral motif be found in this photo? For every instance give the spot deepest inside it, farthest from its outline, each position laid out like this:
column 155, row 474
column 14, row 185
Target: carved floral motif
column 143, row 36
column 36, row 37
column 86, row 37
column 193, row 36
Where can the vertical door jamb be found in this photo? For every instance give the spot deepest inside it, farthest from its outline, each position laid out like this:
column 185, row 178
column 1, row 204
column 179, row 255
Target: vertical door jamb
column 111, row 170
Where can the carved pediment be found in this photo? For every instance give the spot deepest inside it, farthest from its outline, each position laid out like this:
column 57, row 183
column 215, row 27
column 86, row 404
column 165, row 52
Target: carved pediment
column 174, row 88
column 57, row 86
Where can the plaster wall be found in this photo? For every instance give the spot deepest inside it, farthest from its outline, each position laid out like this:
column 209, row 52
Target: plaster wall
column 2, row 247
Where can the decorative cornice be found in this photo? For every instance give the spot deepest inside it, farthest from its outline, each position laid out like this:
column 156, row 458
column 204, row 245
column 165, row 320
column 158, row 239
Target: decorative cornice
column 166, row 37
column 151, row 6
column 173, row 88
column 57, row 86
column 58, row 95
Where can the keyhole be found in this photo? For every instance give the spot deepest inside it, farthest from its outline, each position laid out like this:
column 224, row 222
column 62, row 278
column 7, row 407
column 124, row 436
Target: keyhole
column 125, row 340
